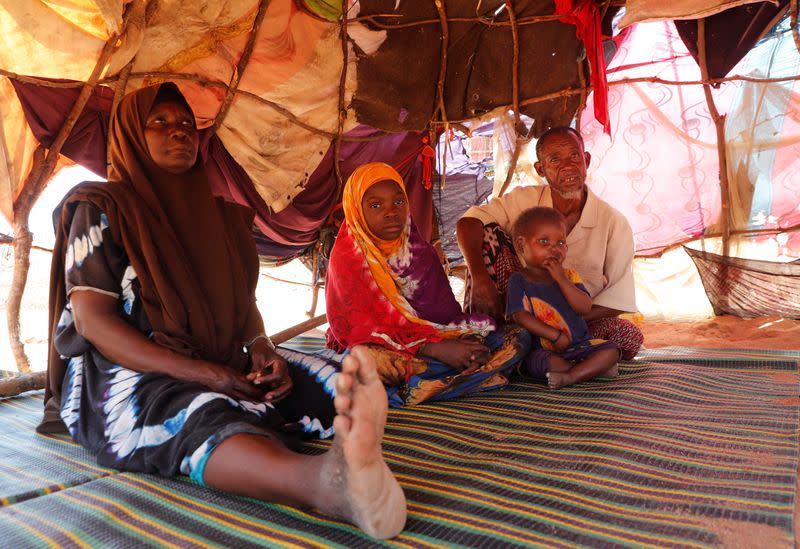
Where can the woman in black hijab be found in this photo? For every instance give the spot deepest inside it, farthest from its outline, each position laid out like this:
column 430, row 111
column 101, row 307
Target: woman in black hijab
column 159, row 362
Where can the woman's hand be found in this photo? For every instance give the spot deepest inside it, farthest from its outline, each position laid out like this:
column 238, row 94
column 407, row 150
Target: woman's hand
column 222, row 379
column 269, row 370
column 462, row 354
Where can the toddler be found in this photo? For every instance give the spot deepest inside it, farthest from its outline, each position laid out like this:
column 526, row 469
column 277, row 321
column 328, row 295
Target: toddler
column 549, row 301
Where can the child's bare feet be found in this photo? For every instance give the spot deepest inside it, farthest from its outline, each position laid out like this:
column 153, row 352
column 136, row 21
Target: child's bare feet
column 369, row 494
column 611, row 372
column 556, row 380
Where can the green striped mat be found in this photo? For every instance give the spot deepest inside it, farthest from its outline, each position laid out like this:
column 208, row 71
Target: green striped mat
column 679, row 455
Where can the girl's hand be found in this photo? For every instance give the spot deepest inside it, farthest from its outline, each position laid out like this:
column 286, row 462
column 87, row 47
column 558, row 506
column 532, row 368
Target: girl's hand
column 463, row 354
column 269, row 370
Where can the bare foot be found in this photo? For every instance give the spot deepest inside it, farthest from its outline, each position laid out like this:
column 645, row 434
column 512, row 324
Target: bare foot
column 556, row 380
column 611, row 372
column 368, row 494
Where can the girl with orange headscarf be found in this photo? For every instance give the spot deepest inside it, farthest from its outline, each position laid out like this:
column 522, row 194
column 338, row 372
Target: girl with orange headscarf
column 386, row 288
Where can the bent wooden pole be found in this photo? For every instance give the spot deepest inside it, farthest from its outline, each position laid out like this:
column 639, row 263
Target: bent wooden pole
column 41, row 171
column 19, row 384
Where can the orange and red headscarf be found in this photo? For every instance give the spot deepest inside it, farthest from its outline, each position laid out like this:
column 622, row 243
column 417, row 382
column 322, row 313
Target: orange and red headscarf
column 368, row 287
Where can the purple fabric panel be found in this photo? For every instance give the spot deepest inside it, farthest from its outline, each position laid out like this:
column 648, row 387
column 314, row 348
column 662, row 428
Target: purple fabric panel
column 420, row 199
column 298, row 223
column 392, row 148
column 46, row 110
column 291, row 229
column 433, row 298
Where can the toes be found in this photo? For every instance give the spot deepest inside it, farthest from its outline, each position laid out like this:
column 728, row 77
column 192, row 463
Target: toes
column 367, row 373
column 343, row 404
column 341, row 426
column 344, row 383
column 350, row 364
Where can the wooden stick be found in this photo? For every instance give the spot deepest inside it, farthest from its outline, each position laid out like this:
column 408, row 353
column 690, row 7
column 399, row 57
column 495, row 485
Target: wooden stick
column 23, row 238
column 337, row 144
column 303, row 327
column 440, row 111
column 330, row 135
column 210, row 83
column 719, row 124
column 35, row 182
column 241, row 66
column 532, row 19
column 440, row 108
column 512, row 17
column 19, row 384
column 736, row 232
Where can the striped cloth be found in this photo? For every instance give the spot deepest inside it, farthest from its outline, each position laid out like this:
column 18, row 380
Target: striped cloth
column 668, row 454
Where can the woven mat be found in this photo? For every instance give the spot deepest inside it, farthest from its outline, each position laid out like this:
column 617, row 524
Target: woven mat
column 722, row 357
column 668, row 454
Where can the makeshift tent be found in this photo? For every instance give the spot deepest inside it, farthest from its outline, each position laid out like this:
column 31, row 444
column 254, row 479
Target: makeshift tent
column 293, row 96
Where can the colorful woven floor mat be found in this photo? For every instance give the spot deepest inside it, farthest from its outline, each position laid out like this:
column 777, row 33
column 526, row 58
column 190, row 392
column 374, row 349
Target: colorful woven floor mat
column 722, row 357
column 667, row 454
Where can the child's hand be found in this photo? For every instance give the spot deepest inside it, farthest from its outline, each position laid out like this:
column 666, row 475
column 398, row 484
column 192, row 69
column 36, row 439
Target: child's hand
column 562, row 343
column 555, row 269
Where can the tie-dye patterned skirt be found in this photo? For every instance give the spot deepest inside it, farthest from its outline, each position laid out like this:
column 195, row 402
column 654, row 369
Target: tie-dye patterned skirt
column 153, row 423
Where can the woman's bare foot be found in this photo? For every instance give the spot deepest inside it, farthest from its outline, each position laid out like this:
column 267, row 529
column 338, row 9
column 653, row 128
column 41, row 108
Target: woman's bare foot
column 364, row 489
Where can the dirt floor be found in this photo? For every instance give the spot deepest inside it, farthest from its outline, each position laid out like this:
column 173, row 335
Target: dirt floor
column 725, row 331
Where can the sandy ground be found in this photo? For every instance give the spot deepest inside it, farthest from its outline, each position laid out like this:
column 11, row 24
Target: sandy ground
column 725, row 331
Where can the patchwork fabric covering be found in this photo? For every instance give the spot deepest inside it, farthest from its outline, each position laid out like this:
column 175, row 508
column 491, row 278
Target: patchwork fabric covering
column 687, row 448
column 660, row 166
column 275, row 139
column 397, row 86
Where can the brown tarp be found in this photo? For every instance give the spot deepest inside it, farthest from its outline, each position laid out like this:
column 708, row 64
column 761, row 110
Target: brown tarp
column 396, row 87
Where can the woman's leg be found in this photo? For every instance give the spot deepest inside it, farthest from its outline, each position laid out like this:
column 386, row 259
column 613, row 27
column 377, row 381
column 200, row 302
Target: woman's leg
column 351, row 480
column 601, row 362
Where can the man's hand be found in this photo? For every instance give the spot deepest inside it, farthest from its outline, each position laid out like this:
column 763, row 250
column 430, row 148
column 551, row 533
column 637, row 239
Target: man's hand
column 485, row 298
column 269, row 369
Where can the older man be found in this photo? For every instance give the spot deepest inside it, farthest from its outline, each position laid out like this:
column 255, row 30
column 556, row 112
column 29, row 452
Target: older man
column 599, row 240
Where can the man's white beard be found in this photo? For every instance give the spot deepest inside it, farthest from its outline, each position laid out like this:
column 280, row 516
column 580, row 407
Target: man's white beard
column 571, row 195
